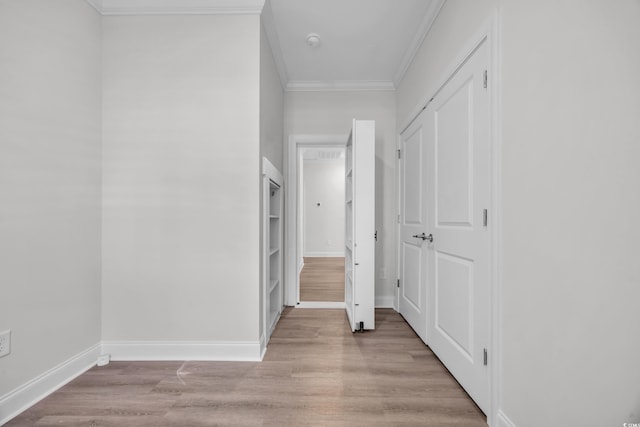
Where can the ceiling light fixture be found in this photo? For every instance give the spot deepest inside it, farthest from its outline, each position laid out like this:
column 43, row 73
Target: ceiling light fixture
column 313, row 40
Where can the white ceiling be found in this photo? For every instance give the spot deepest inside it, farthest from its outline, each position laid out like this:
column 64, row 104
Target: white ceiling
column 365, row 44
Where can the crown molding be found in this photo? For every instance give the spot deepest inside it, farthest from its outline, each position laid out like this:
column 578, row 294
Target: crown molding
column 339, row 86
column 178, row 7
column 274, row 42
column 96, row 4
column 421, row 34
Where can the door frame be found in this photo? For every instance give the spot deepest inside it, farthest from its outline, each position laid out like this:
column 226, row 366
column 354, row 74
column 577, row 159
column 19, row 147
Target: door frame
column 490, row 33
column 293, row 253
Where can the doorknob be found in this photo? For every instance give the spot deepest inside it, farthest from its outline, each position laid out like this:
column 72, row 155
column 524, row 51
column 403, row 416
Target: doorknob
column 424, row 237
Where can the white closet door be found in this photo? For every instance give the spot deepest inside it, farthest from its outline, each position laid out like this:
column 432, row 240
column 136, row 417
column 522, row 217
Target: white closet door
column 413, row 226
column 459, row 192
column 360, row 225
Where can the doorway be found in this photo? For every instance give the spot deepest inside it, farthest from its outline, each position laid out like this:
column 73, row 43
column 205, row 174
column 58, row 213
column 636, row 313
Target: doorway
column 316, row 226
column 322, row 171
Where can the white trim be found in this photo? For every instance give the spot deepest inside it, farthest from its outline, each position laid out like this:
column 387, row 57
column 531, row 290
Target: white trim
column 27, row 395
column 231, row 351
column 274, row 43
column 321, row 304
column 96, row 4
column 385, row 301
column 263, row 345
column 270, row 174
column 495, row 90
column 503, row 421
column 458, row 61
column 397, row 222
column 178, row 7
column 339, row 254
column 339, row 86
column 291, row 199
column 426, row 24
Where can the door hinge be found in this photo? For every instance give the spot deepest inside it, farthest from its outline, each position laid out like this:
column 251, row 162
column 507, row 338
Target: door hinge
column 398, row 284
column 485, row 357
column 398, row 218
column 399, row 155
column 485, row 217
column 486, row 78
column 375, row 235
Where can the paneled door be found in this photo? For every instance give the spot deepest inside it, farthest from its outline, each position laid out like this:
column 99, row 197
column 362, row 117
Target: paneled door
column 412, row 287
column 359, row 283
column 458, row 290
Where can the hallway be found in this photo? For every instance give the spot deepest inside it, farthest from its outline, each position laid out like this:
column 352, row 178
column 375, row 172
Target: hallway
column 315, row 372
column 322, row 279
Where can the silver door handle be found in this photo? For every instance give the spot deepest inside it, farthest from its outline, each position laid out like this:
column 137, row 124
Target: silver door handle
column 424, row 237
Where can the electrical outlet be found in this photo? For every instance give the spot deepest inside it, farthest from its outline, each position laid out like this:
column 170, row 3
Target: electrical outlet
column 5, row 343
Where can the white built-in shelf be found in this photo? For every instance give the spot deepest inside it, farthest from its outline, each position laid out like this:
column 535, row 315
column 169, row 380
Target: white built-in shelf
column 273, row 261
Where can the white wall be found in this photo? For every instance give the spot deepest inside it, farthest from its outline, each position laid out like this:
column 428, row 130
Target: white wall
column 570, row 132
column 571, row 206
column 323, row 183
column 271, row 127
column 323, row 113
column 271, row 106
column 181, row 178
column 49, row 185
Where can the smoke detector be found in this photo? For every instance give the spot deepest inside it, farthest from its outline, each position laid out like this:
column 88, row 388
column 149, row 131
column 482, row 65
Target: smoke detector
column 313, row 40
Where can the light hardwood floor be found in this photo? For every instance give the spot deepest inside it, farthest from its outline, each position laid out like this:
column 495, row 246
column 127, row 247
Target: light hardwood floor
column 315, row 373
column 322, row 279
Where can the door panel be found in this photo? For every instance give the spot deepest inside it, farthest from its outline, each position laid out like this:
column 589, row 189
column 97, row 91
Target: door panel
column 454, row 159
column 360, row 225
column 458, row 260
column 412, row 258
column 454, row 300
column 412, row 254
column 412, row 204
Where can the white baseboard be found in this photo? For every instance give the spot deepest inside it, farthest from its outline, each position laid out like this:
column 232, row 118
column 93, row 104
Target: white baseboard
column 381, row 302
column 385, row 301
column 503, row 421
column 263, row 346
column 230, row 351
column 25, row 396
column 324, row 254
column 320, row 304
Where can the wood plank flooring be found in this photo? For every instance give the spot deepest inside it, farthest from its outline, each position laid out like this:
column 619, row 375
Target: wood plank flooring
column 322, row 279
column 315, row 373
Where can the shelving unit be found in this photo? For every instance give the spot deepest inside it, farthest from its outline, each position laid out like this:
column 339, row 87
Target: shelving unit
column 348, row 253
column 273, row 295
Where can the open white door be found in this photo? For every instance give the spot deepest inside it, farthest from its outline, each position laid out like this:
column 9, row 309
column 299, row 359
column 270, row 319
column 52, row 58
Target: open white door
column 360, row 230
column 458, row 265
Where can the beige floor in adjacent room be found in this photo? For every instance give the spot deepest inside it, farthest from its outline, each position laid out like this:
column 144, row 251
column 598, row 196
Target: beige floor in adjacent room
column 322, row 279
column 315, row 373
